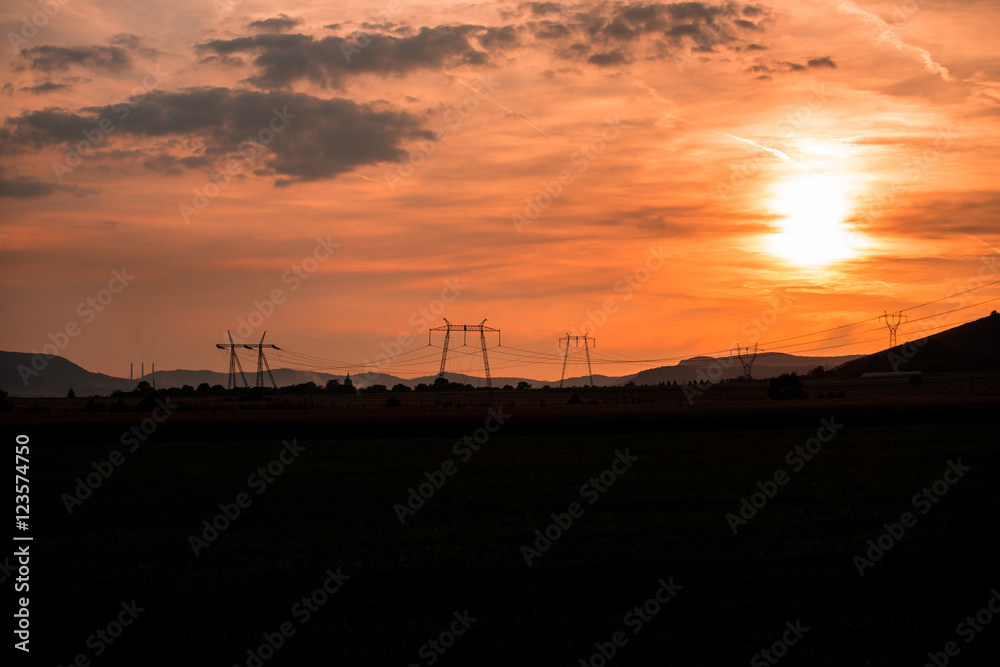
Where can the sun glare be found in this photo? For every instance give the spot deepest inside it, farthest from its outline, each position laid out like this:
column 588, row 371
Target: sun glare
column 813, row 230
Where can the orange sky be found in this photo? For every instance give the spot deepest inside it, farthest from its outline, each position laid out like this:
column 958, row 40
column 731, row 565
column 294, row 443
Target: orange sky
column 712, row 157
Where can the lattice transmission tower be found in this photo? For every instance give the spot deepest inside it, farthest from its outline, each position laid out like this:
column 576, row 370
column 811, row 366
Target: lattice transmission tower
column 747, row 357
column 586, row 347
column 262, row 362
column 465, row 329
column 892, row 321
column 234, row 362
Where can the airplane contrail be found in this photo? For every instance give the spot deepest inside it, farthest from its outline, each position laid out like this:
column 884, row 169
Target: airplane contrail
column 772, row 151
column 887, row 34
column 510, row 111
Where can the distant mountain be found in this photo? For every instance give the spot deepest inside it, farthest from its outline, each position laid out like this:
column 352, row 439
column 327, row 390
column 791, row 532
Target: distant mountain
column 768, row 364
column 968, row 347
column 28, row 374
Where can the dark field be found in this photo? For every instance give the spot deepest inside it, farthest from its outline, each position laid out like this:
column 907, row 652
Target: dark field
column 664, row 517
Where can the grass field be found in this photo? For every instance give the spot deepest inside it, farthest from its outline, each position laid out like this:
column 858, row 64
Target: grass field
column 664, row 517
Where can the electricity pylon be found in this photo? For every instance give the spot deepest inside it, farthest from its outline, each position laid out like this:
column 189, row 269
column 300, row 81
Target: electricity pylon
column 747, row 357
column 586, row 347
column 262, row 362
column 892, row 321
column 234, row 362
column 465, row 329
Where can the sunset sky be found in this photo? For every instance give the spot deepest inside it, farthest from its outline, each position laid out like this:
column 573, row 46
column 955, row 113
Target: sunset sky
column 654, row 174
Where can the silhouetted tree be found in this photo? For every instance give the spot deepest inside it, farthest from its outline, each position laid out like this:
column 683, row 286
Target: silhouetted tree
column 71, row 393
column 523, row 385
column 400, row 388
column 786, row 386
column 816, row 372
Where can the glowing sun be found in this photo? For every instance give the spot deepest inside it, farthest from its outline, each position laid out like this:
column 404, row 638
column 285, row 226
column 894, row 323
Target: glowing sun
column 813, row 230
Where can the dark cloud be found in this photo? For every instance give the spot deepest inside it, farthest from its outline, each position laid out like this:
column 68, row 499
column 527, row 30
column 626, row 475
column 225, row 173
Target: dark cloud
column 825, row 61
column 755, row 47
column 284, row 59
column 607, row 59
column 793, row 67
column 22, row 187
column 48, row 58
column 665, row 31
column 280, row 23
column 498, row 38
column 46, row 87
column 618, row 33
column 976, row 213
column 323, row 138
column 543, row 8
column 133, row 43
column 165, row 163
column 550, row 30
